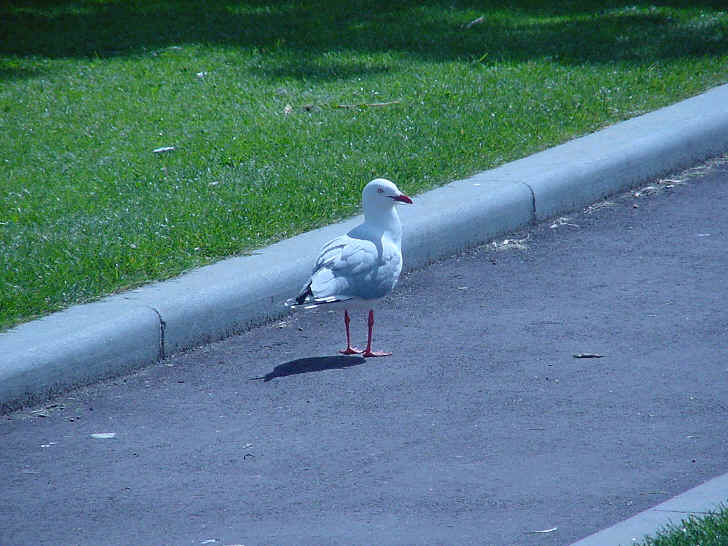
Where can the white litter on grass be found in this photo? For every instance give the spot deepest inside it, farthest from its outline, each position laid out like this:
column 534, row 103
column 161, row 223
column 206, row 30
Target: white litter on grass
column 103, row 435
column 475, row 22
column 163, row 149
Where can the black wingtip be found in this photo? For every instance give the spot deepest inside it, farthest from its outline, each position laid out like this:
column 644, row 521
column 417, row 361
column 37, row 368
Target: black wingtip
column 304, row 294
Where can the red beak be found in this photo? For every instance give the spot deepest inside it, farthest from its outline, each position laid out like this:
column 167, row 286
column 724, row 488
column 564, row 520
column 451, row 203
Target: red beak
column 403, row 199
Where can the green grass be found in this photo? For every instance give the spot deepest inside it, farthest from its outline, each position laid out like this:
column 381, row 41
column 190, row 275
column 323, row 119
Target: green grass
column 709, row 530
column 247, row 93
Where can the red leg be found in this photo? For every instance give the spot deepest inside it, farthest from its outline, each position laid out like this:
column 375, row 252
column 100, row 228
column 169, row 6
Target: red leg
column 368, row 351
column 349, row 349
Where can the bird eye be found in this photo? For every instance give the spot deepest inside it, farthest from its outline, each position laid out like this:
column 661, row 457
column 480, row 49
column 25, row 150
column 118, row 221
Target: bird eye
column 380, row 190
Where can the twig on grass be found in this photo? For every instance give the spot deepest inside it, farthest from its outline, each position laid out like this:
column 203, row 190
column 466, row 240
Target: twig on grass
column 367, row 104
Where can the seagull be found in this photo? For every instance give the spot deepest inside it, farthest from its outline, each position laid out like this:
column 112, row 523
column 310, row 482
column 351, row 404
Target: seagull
column 364, row 264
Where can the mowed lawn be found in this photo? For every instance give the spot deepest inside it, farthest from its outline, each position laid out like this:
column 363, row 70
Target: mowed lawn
column 280, row 112
column 707, row 530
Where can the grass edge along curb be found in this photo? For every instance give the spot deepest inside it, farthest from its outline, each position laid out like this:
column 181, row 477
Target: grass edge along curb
column 703, row 498
column 54, row 353
column 257, row 150
column 709, row 529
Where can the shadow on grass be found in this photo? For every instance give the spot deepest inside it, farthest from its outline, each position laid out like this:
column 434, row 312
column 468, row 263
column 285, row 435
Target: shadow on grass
column 289, row 35
column 311, row 364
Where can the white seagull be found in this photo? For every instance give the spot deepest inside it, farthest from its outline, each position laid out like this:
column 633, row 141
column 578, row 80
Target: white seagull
column 364, row 264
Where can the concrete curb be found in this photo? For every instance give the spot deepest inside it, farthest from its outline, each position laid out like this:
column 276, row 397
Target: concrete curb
column 75, row 347
column 697, row 501
column 137, row 328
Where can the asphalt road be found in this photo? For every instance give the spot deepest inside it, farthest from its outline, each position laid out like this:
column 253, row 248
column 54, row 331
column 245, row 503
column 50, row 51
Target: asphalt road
column 482, row 428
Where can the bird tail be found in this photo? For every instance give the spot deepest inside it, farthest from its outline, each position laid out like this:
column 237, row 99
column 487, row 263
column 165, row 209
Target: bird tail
column 306, row 299
column 306, row 292
column 298, row 301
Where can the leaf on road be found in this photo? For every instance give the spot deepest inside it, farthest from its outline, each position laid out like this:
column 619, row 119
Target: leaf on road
column 563, row 221
column 543, row 531
column 600, row 205
column 103, row 435
column 647, row 190
column 508, row 244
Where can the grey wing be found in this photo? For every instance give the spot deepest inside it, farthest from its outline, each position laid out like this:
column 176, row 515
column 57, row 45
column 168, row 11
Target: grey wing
column 343, row 266
column 341, row 271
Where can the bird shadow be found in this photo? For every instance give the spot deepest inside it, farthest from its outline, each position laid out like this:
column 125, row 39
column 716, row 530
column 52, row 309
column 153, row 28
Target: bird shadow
column 311, row 364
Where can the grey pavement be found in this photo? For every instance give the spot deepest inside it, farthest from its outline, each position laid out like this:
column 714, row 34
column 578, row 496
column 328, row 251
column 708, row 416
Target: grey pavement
column 482, row 428
column 703, row 499
column 138, row 328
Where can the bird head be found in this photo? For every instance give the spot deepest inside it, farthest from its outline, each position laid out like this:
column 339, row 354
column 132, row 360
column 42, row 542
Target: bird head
column 381, row 193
